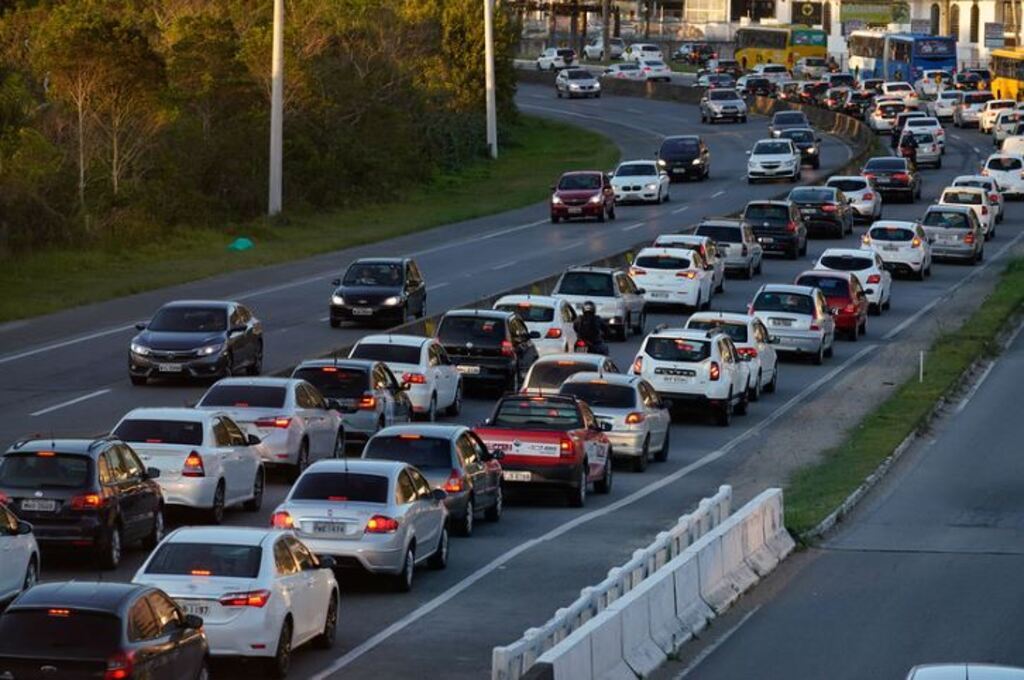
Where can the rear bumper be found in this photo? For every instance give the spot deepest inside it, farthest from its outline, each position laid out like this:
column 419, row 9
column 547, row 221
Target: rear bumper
column 627, row 443
column 566, row 474
column 345, row 313
column 797, row 342
column 192, row 492
column 385, row 557
column 953, row 252
column 777, row 242
column 478, row 371
column 903, row 266
column 655, row 296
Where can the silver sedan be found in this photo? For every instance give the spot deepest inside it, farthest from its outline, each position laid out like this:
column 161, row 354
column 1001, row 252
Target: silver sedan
column 865, row 201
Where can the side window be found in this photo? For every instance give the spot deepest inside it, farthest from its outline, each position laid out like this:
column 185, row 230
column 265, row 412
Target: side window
column 236, row 318
column 609, row 367
column 421, row 484
column 442, row 355
column 748, row 235
column 142, row 623
column 621, row 285
column 221, row 436
column 380, row 378
column 168, row 616
column 118, row 467
column 433, row 356
column 8, row 522
column 406, row 491
column 645, row 395
column 244, row 315
column 315, row 396
column 307, row 397
column 303, row 557
column 103, row 465
column 726, row 349
column 467, row 452
column 478, row 446
column 284, row 561
column 235, row 434
column 133, row 466
column 588, row 416
column 520, row 333
column 414, row 273
column 761, row 333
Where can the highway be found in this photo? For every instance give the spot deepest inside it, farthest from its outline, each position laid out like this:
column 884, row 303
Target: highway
column 512, row 575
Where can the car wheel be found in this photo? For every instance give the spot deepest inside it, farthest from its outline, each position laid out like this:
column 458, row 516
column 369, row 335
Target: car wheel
column 604, row 485
column 755, row 392
column 749, row 273
column 466, row 525
column 31, row 575
column 640, row 462
column 154, row 537
column 662, row 454
column 641, row 324
column 938, row 163
column 215, row 515
column 439, row 560
column 744, row 402
column 204, row 671
column 279, row 664
column 603, row 215
column 558, row 93
column 110, row 551
column 555, row 219
column 456, row 406
column 431, row 415
column 723, row 414
column 339, row 445
column 138, row 379
column 770, row 387
column 258, row 484
column 874, row 309
column 493, row 513
column 803, row 250
column 302, row 459
column 325, row 640
column 757, row 269
column 794, row 252
column 831, row 349
column 256, row 367
column 403, row 580
column 819, row 358
column 577, row 494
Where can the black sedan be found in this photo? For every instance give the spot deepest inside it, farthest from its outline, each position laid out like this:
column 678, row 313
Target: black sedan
column 379, row 289
column 825, row 210
column 893, row 175
column 759, row 87
column 684, row 157
column 808, row 142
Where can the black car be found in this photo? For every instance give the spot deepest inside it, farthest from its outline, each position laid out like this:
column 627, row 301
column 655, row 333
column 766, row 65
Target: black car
column 82, row 494
column 81, row 630
column 824, row 209
column 893, row 175
column 810, row 92
column 808, row 142
column 784, row 120
column 779, row 227
column 730, row 66
column 488, row 346
column 379, row 289
column 857, row 103
column 759, row 86
column 684, row 157
column 873, row 85
column 197, row 339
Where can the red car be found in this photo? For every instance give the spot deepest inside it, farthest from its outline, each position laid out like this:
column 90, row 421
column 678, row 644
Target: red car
column 550, row 441
column 586, row 194
column 845, row 296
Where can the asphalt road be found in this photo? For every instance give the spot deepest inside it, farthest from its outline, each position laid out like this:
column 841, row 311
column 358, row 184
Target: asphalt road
column 927, row 571
column 512, row 575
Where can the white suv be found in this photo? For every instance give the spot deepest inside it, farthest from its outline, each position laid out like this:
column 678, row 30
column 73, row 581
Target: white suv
column 752, row 341
column 903, row 246
column 1007, row 169
column 737, row 245
column 555, row 58
column 673, row 276
column 642, row 51
column 992, row 109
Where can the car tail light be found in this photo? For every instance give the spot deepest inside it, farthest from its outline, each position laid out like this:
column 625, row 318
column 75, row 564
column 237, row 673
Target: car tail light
column 984, row 210
column 4, row 498
column 251, row 598
column 506, row 349
column 280, row 422
column 869, row 175
column 714, row 371
column 554, row 333
column 791, row 227
column 86, row 501
column 814, row 325
column 828, row 207
column 869, row 196
column 915, row 243
column 454, row 483
column 865, row 239
column 747, row 352
column 688, row 274
column 638, row 365
column 120, row 666
column 636, row 271
column 381, row 524
column 193, row 466
column 994, row 198
column 414, row 378
column 969, row 238
column 581, row 344
column 367, row 402
column 901, row 176
column 282, row 520
column 565, row 447
column 850, row 309
column 875, row 278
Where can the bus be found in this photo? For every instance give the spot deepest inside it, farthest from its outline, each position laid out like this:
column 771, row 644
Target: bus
column 899, row 56
column 1007, row 66
column 779, row 44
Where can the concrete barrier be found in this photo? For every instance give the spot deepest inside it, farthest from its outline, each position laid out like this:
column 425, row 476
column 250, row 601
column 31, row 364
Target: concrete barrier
column 692, row 611
column 737, row 572
column 758, row 555
column 715, row 589
column 639, row 650
column 778, row 540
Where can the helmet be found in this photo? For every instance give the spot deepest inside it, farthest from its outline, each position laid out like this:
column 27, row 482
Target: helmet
column 589, row 307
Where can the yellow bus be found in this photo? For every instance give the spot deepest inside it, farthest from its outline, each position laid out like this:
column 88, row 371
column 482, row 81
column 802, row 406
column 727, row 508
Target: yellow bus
column 779, row 44
column 1008, row 73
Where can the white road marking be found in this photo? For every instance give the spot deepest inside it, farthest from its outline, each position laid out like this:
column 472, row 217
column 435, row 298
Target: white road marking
column 634, row 226
column 70, row 402
column 976, row 149
column 423, row 610
column 974, row 388
column 637, row 111
column 477, row 239
column 325, row 318
column 570, row 246
column 679, row 210
column 438, row 286
column 718, row 193
column 65, row 343
column 506, row 265
column 718, row 643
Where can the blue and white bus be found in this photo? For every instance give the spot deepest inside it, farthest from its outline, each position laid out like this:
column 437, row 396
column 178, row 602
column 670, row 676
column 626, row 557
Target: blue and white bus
column 899, row 56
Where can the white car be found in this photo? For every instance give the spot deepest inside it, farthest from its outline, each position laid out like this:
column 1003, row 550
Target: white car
column 296, row 424
column 883, row 117
column 260, row 592
column 627, row 71
column 944, row 104
column 773, row 158
column 968, row 110
column 989, row 184
column 547, row 374
column 19, row 556
column 870, row 270
column 903, row 246
column 641, row 182
column 928, row 124
column 987, row 117
column 965, row 671
column 552, row 318
column 752, row 340
column 655, row 70
column 903, row 90
column 1007, row 168
column 696, row 368
column 705, row 247
column 865, row 201
column 929, row 152
column 206, row 461
column 978, row 201
column 641, row 51
column 722, row 104
column 931, row 82
column 673, row 276
column 1013, row 146
column 737, row 245
column 577, row 82
column 799, row 317
column 619, row 301
column 434, row 382
column 810, row 68
column 640, row 422
column 776, row 73
column 555, row 58
column 594, row 50
column 1006, row 125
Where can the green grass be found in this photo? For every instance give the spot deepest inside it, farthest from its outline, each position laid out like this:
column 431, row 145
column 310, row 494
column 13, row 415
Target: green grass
column 531, row 159
column 683, row 68
column 817, row 490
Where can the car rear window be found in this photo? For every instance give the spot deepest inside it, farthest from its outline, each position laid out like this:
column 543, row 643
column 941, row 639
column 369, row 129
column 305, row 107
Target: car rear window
column 812, row 195
column 721, row 234
column 245, row 396
column 662, row 262
column 978, row 98
column 396, row 354
column 829, row 285
column 846, row 263
column 186, row 432
column 482, row 330
column 420, row 452
column 336, row 382
column 677, row 349
column 794, row 303
column 1003, row 164
column 848, row 184
column 59, row 633
column 206, row 559
column 763, row 211
column 601, row 395
column 886, row 165
column 537, row 412
column 995, row 106
column 554, row 373
column 947, row 220
column 736, row 331
column 530, row 313
column 917, row 121
column 586, row 283
column 790, row 118
column 355, row 487
column 891, row 234
column 961, row 197
column 45, row 469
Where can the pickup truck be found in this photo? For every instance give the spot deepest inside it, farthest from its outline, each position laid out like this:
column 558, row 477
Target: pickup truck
column 552, row 441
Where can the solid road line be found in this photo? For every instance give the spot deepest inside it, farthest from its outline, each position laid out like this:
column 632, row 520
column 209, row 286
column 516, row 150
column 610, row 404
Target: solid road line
column 70, row 402
column 360, row 650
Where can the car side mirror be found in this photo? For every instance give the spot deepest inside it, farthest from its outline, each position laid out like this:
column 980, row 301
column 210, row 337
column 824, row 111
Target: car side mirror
column 773, row 339
column 534, row 335
column 604, row 427
column 641, row 291
column 252, row 440
column 747, row 152
column 24, row 527
column 438, row 495
column 193, row 622
column 406, row 386
column 327, row 562
column 152, row 473
column 335, row 282
column 333, row 404
column 552, row 187
column 141, row 326
column 237, row 329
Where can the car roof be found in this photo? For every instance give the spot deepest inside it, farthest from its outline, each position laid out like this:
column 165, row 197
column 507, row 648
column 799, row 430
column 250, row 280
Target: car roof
column 227, row 535
column 695, row 138
column 106, row 596
column 900, row 224
column 396, row 339
column 949, row 207
column 539, row 300
column 974, row 178
column 845, row 178
column 970, row 190
column 847, row 252
column 721, row 222
column 342, row 363
column 485, row 313
column 831, row 273
column 734, row 317
column 625, row 379
column 572, row 173
column 637, row 162
column 887, row 158
column 695, row 239
column 592, row 270
column 965, row 671
column 380, row 260
column 431, row 430
column 769, row 202
column 682, row 333
column 85, row 447
column 262, row 381
column 595, row 359
column 169, row 413
column 787, row 288
column 357, row 465
column 665, row 250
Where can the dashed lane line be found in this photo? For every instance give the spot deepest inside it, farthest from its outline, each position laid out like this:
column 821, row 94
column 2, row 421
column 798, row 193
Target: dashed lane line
column 70, row 402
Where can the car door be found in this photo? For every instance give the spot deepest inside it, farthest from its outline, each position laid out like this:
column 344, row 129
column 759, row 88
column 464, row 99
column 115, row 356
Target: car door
column 630, row 295
column 595, row 443
column 314, row 414
column 15, row 552
column 178, row 651
column 244, row 461
column 310, row 605
column 491, row 463
column 429, row 514
column 886, row 277
column 474, row 468
column 519, row 335
column 289, row 580
column 134, row 501
column 417, row 288
column 437, row 376
column 238, row 337
column 655, row 414
column 828, row 324
column 765, row 350
column 740, row 372
column 400, row 404
column 224, row 451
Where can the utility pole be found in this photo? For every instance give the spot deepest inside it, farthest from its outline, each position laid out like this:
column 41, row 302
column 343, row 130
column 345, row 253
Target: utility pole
column 492, row 113
column 606, row 53
column 276, row 111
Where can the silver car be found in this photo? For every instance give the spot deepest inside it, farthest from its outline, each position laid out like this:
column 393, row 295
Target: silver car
column 722, row 104
column 929, row 152
column 954, row 233
column 639, row 419
column 865, row 201
column 736, row 243
column 547, row 374
column 965, row 671
column 577, row 82
column 382, row 516
column 798, row 318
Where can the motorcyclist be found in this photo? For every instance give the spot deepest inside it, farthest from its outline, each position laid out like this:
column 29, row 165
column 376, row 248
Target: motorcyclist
column 590, row 328
column 908, row 147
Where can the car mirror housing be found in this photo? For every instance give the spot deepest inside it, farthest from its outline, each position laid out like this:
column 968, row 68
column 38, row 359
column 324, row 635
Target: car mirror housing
column 438, row 495
column 193, row 622
column 252, row 440
column 327, row 562
column 152, row 473
column 335, row 282
column 141, row 326
column 24, row 528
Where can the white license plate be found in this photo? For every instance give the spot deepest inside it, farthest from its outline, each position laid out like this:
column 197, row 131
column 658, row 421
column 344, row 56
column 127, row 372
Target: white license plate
column 516, row 476
column 196, row 608
column 658, row 294
column 766, row 239
column 330, row 528
column 678, row 171
column 468, row 370
column 170, row 368
column 362, row 311
column 782, row 322
column 676, row 379
column 36, row 505
column 575, row 211
column 891, row 248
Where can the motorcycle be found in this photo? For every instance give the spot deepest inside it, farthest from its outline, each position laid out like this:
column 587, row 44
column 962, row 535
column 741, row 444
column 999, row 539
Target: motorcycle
column 587, row 347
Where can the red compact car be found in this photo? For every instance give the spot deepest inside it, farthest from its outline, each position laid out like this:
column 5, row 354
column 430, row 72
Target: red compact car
column 845, row 296
column 584, row 194
column 550, row 441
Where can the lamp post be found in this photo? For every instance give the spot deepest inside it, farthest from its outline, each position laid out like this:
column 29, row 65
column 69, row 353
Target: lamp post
column 492, row 114
column 276, row 111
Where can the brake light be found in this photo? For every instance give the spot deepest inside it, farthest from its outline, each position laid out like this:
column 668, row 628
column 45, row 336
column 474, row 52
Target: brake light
column 814, row 326
column 565, row 447
column 454, row 483
column 554, row 333
column 901, row 176
column 869, row 196
column 282, row 520
column 688, row 274
column 120, row 666
column 328, row 369
column 4, row 498
column 200, row 572
column 280, row 422
column 62, row 613
column 747, row 352
column 252, row 598
column 715, row 371
column 636, row 271
column 791, row 227
column 506, row 349
column 850, row 309
column 581, row 344
column 994, row 198
column 915, row 243
column 414, row 378
column 969, row 238
column 828, row 207
column 984, row 210
column 193, row 466
column 381, row 524
column 875, row 278
column 367, row 402
column 87, row 501
column 638, row 365
column 45, row 454
column 635, row 418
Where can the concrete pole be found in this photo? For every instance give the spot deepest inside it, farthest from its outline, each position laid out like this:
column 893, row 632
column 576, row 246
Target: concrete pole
column 276, row 111
column 492, row 112
column 606, row 50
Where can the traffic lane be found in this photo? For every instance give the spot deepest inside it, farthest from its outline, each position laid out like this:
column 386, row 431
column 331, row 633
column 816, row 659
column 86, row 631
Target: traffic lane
column 927, row 569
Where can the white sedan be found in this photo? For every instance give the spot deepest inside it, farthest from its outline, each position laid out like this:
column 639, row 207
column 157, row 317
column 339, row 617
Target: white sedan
column 1007, row 170
column 773, row 158
column 944, row 104
column 551, row 317
column 625, row 71
column 640, row 181
column 990, row 185
column 656, row 69
column 673, row 276
column 870, row 270
column 260, row 592
column 206, row 461
column 752, row 341
column 547, row 374
column 903, row 246
column 928, row 124
column 19, row 556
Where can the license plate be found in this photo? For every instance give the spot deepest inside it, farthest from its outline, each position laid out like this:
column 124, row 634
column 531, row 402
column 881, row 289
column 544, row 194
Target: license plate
column 575, row 211
column 516, row 476
column 470, row 370
column 891, row 248
column 329, row 528
column 678, row 171
column 766, row 239
column 196, row 608
column 37, row 505
column 362, row 311
column 658, row 294
column 170, row 368
column 675, row 379
column 781, row 322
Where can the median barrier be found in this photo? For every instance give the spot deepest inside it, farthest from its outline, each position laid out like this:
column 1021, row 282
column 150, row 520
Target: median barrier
column 715, row 589
column 639, row 650
column 692, row 611
column 737, row 572
column 758, row 555
column 778, row 540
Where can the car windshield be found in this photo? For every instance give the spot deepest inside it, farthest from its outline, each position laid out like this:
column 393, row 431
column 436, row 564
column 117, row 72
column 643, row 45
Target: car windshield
column 190, row 320
column 961, row 197
column 546, row 413
column 580, row 182
column 679, row 147
column 481, row 330
column 722, row 95
column 891, row 234
column 813, row 61
column 829, row 285
column 662, row 262
column 144, row 430
column 790, row 118
column 848, row 184
column 636, row 170
column 601, row 394
column 245, row 396
column 80, row 634
column 553, row 373
column 1003, row 164
column 721, row 233
column 793, row 303
column 766, row 211
column 677, row 349
column 586, row 283
column 736, row 331
column 373, row 274
column 336, row 382
column 799, row 135
column 994, row 106
column 580, row 75
column 812, row 195
column 206, row 559
column 886, row 165
column 947, row 219
column 898, row 87
column 978, row 98
column 354, row 487
column 530, row 313
column 396, row 354
column 846, row 263
column 771, row 148
column 418, row 451
column 45, row 469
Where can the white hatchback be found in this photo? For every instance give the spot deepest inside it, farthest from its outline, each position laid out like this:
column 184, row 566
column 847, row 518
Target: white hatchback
column 928, row 124
column 977, row 199
column 903, row 90
column 799, row 316
column 752, row 341
column 552, row 318
column 903, row 246
column 1007, row 169
column 990, row 185
column 944, row 104
column 655, row 70
column 19, row 556
column 641, row 51
column 547, row 374
column 870, row 271
column 773, row 158
column 705, row 247
column 641, row 182
column 673, row 276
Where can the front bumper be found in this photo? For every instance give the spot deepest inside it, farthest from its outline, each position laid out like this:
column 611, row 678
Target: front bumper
column 733, row 114
column 643, row 195
column 761, row 172
column 341, row 313
column 566, row 212
column 685, row 171
column 589, row 91
column 197, row 367
column 953, row 252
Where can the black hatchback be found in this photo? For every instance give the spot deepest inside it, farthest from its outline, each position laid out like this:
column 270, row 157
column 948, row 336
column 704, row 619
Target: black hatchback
column 684, row 157
column 80, row 494
column 116, row 631
column 379, row 289
column 807, row 142
column 779, row 227
column 488, row 346
column 825, row 210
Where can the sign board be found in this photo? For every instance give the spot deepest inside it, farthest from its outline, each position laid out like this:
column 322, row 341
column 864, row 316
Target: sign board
column 921, row 26
column 853, row 25
column 808, row 13
column 994, row 35
column 875, row 13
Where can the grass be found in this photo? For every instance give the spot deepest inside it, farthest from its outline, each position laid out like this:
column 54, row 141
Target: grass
column 817, row 490
column 683, row 68
column 535, row 152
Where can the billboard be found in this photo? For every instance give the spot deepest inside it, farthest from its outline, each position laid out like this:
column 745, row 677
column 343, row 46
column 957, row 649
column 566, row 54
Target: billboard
column 875, row 13
column 994, row 35
column 809, row 13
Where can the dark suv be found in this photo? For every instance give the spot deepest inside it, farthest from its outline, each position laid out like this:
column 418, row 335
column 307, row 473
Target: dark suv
column 488, row 346
column 779, row 227
column 807, row 142
column 83, row 494
column 684, row 157
column 386, row 289
column 824, row 209
column 80, row 630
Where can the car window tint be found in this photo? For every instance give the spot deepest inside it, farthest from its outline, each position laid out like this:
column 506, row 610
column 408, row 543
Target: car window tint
column 132, row 464
column 245, row 396
column 421, row 484
column 303, row 399
column 8, row 521
column 27, row 471
column 168, row 616
column 142, row 623
column 103, row 465
column 340, row 487
column 87, row 634
column 405, row 490
column 399, row 354
column 284, row 560
column 184, row 432
column 303, row 557
column 677, row 349
column 221, row 437
column 601, row 394
column 336, row 382
column 467, row 452
column 215, row 559
column 531, row 313
column 419, row 451
column 598, row 284
column 735, row 330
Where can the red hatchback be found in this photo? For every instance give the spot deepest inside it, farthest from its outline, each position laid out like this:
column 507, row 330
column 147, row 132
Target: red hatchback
column 586, row 194
column 845, row 296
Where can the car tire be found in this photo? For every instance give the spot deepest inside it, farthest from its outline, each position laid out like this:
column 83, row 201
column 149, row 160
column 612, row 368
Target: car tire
column 749, row 273
column 31, row 574
column 439, row 560
column 555, row 219
column 755, row 393
column 611, row 212
column 512, row 384
column 794, row 252
column 493, row 513
column 757, row 269
column 431, row 415
column 327, row 637
column 111, row 550
column 723, row 414
column 831, row 349
column 403, row 579
column 773, row 385
column 920, row 274
column 803, row 251
column 259, row 484
column 138, row 380
column 215, row 514
column 874, row 310
column 819, row 358
column 279, row 664
column 603, row 215
column 455, row 408
column 465, row 527
column 604, row 485
column 938, row 163
column 558, row 93
column 661, row 455
column 204, row 670
column 339, row 444
column 301, row 459
column 256, row 367
column 864, row 328
column 577, row 494
column 641, row 324
column 640, row 462
column 229, row 366
column 154, row 537
column 743, row 404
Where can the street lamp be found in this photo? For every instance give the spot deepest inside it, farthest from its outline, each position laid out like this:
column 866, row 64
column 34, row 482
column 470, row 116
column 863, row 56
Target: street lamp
column 276, row 111
column 492, row 114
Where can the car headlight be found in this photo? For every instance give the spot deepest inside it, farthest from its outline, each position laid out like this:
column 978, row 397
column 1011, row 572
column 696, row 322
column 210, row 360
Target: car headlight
column 650, row 187
column 556, row 200
column 337, row 300
column 696, row 161
column 812, row 150
column 392, row 301
column 662, row 163
column 210, row 349
column 574, row 86
column 141, row 350
column 596, row 198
